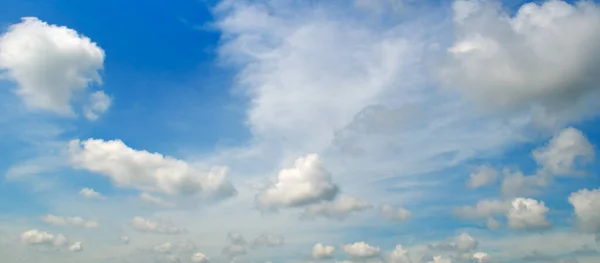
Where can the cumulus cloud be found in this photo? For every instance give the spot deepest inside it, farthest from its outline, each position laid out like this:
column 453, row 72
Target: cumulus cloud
column 528, row 214
column 517, row 184
column 483, row 209
column 586, row 204
column 38, row 237
column 394, row 213
column 99, row 103
column 147, row 225
column 69, row 221
column 440, row 259
column 268, row 240
column 307, row 182
column 564, row 151
column 320, row 251
column 481, row 257
column 492, row 224
column 461, row 243
column 482, row 176
column 237, row 245
column 163, row 248
column 76, row 247
column 90, row 193
column 50, row 64
column 399, row 255
column 152, row 172
column 361, row 250
column 199, row 258
column 542, row 58
column 338, row 209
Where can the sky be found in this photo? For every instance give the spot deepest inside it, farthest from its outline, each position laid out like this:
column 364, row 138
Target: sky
column 340, row 131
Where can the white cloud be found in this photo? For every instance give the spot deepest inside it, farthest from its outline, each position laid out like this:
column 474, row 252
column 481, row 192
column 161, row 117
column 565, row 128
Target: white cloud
column 482, row 176
column 483, row 209
column 268, row 240
column 361, row 250
column 338, row 209
column 399, row 255
column 91, row 193
column 462, row 243
column 147, row 225
column 70, row 221
column 542, row 59
column 527, row 213
column 148, row 198
column 395, row 213
column 586, row 204
column 199, row 258
column 320, row 251
column 38, row 237
column 125, row 239
column 564, row 151
column 441, row 259
column 492, row 224
column 516, row 184
column 76, row 247
column 49, row 63
column 307, row 182
column 99, row 103
column 481, row 257
column 237, row 245
column 152, row 172
column 163, row 248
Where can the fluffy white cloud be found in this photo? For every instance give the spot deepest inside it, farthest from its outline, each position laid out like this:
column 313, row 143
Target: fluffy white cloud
column 482, row 176
column 49, row 63
column 440, row 259
column 516, row 184
column 268, row 240
column 76, row 247
column 38, row 237
column 586, row 204
column 163, row 248
column 199, row 258
column 338, row 209
column 394, row 213
column 145, row 171
column 99, row 103
column 462, row 243
column 399, row 255
column 69, row 221
column 147, row 225
column 527, row 213
column 307, row 182
column 564, row 151
column 483, row 209
column 320, row 251
column 481, row 257
column 543, row 58
column 90, row 193
column 361, row 250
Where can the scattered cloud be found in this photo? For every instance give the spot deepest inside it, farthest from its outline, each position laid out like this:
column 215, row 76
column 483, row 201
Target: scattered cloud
column 361, row 250
column 69, row 221
column 91, row 193
column 398, row 214
column 482, row 176
column 320, row 251
column 586, row 204
column 338, row 209
column 159, row 227
column 528, row 214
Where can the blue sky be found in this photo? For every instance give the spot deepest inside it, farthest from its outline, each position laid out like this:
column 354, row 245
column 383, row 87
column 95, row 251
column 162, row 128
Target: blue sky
column 387, row 131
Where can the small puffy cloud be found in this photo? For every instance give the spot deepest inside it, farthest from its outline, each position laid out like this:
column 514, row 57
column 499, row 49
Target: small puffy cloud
column 147, row 225
column 361, row 250
column 461, row 243
column 50, row 64
column 152, row 172
column 320, row 251
column 268, row 240
column 90, row 193
column 564, row 152
column 586, row 204
column 99, row 103
column 482, row 176
column 306, row 183
column 69, row 221
column 399, row 255
column 441, row 259
column 394, row 213
column 237, row 245
column 516, row 184
column 199, row 258
column 483, row 209
column 163, row 248
column 338, row 209
column 150, row 199
column 125, row 239
column 38, row 237
column 527, row 213
column 481, row 257
column 76, row 247
column 542, row 59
